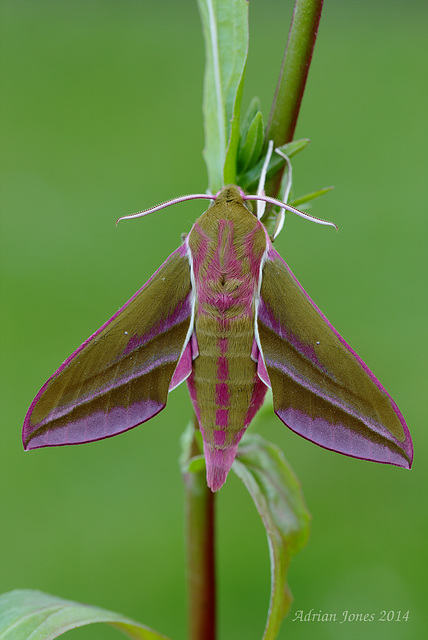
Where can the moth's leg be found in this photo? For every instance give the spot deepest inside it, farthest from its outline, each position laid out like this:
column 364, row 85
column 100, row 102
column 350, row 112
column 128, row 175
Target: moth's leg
column 287, row 188
column 261, row 188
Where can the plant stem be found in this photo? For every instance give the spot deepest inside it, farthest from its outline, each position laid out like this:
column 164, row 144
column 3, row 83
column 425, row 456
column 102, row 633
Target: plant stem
column 292, row 78
column 200, row 554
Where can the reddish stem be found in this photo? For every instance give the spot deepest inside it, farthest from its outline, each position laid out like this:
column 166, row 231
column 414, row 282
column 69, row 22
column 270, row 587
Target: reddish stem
column 200, row 554
column 292, row 78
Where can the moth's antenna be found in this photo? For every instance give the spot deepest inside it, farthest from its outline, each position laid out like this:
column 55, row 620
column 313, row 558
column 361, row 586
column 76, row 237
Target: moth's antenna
column 278, row 203
column 167, row 203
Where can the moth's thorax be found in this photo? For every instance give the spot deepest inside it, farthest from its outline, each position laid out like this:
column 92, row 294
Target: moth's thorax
column 227, row 244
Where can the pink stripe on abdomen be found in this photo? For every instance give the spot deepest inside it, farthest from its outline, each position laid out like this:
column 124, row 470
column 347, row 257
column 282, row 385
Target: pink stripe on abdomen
column 222, row 418
column 222, row 394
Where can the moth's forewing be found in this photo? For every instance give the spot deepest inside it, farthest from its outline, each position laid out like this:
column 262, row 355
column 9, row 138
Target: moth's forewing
column 120, row 376
column 321, row 389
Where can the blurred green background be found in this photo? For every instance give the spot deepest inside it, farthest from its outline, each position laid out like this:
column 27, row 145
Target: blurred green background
column 101, row 116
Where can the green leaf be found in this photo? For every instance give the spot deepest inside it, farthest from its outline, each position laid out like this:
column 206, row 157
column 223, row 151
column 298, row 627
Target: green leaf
column 253, row 108
column 249, row 179
column 293, row 147
column 196, row 465
column 251, row 146
column 192, row 459
column 26, row 614
column 225, row 28
column 310, row 196
column 229, row 172
column 279, row 500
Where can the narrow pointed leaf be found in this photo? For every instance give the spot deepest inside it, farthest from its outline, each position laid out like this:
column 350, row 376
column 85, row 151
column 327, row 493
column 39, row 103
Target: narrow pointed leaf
column 229, row 171
column 293, row 147
column 309, row 196
column 253, row 108
column 225, row 28
column 251, row 147
column 26, row 614
column 279, row 500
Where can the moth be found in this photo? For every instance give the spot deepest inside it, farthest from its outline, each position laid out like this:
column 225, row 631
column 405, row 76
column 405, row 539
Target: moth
column 225, row 313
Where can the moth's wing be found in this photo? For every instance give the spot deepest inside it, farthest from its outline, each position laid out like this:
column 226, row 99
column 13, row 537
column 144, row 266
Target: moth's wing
column 321, row 389
column 120, row 376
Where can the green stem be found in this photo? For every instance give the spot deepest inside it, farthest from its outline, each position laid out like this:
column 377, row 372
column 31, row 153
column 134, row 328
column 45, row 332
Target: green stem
column 292, row 78
column 200, row 553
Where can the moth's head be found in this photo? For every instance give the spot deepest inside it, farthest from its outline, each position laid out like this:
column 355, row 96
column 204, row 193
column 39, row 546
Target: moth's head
column 231, row 193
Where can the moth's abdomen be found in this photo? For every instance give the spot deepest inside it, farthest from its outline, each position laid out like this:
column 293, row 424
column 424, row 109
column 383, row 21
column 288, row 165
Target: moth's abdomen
column 224, row 377
column 225, row 390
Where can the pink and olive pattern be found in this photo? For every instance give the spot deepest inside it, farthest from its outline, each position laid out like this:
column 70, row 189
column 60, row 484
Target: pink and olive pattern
column 225, row 313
